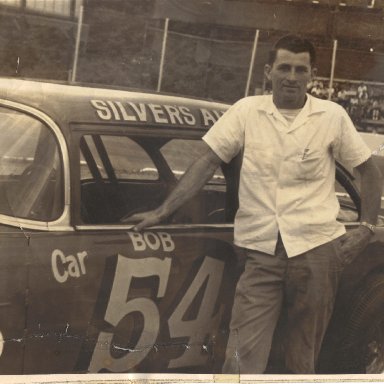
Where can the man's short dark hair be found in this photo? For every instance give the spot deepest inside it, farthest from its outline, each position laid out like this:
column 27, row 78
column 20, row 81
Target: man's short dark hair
column 295, row 44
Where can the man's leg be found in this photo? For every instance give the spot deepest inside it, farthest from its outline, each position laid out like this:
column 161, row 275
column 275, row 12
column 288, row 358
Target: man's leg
column 255, row 312
column 311, row 285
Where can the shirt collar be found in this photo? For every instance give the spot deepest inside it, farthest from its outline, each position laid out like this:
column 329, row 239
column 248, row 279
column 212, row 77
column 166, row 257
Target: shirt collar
column 312, row 105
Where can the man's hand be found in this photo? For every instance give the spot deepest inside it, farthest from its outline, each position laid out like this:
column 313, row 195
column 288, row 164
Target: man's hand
column 144, row 219
column 354, row 242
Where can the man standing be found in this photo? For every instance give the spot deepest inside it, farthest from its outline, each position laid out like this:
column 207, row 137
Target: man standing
column 286, row 220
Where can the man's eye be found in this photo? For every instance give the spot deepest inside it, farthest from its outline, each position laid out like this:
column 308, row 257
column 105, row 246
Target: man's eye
column 284, row 68
column 302, row 70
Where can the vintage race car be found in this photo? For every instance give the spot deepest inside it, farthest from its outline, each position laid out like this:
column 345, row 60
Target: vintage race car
column 81, row 292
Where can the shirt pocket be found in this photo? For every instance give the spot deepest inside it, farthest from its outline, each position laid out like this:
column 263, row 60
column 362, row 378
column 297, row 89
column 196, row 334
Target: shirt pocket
column 258, row 160
column 309, row 165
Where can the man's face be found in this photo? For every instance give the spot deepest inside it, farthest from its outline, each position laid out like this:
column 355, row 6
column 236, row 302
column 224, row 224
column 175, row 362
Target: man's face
column 290, row 74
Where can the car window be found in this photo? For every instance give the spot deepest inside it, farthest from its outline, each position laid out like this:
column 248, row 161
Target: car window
column 180, row 154
column 121, row 175
column 126, row 157
column 347, row 212
column 30, row 168
column 117, row 176
column 209, row 206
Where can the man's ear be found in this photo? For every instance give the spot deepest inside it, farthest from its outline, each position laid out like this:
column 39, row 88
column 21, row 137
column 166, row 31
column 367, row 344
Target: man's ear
column 267, row 71
column 313, row 72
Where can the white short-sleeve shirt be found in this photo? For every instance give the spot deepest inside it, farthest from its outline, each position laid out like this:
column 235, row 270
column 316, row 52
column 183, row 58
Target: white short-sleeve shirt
column 287, row 176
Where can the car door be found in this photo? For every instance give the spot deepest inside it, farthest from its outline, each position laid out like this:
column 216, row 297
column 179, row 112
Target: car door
column 108, row 299
column 165, row 294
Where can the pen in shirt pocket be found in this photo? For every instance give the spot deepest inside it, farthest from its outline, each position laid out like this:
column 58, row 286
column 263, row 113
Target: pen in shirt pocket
column 305, row 153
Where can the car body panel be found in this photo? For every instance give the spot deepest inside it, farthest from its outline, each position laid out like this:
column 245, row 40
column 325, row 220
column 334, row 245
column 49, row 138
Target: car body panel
column 14, row 268
column 96, row 105
column 104, row 290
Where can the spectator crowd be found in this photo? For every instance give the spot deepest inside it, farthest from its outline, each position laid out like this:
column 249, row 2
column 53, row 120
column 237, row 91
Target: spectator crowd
column 362, row 101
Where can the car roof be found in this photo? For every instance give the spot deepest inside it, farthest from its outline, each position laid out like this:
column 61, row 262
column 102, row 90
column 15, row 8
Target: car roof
column 84, row 104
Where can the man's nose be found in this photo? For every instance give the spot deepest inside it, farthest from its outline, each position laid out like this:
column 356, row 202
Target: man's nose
column 292, row 75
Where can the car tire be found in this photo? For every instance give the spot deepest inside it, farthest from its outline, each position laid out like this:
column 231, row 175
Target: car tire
column 361, row 349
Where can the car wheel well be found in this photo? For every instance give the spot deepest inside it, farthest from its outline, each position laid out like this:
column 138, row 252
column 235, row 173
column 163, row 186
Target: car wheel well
column 364, row 314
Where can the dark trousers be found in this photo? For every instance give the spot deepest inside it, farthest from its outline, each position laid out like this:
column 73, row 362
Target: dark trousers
column 306, row 284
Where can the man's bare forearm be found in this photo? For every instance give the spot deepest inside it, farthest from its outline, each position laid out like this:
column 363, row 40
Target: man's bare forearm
column 371, row 190
column 355, row 241
column 190, row 184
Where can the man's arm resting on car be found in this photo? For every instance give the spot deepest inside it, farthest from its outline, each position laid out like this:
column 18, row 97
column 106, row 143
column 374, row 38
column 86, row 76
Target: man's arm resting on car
column 371, row 190
column 189, row 185
column 355, row 241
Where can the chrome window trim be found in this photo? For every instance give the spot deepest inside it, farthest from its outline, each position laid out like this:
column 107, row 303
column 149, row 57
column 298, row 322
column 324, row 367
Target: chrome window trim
column 127, row 227
column 63, row 222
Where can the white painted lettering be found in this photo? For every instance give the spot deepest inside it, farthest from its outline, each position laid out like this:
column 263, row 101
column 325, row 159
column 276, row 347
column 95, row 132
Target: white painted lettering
column 102, row 109
column 174, row 114
column 152, row 241
column 114, row 110
column 124, row 113
column 158, row 114
column 73, row 267
column 58, row 258
column 166, row 241
column 64, row 267
column 188, row 116
column 140, row 110
column 137, row 241
column 208, row 117
column 82, row 256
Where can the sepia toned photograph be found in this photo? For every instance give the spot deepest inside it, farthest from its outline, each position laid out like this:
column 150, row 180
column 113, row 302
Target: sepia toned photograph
column 191, row 190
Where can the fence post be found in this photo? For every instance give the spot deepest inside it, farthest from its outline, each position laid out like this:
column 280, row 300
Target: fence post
column 163, row 48
column 77, row 46
column 332, row 69
column 252, row 62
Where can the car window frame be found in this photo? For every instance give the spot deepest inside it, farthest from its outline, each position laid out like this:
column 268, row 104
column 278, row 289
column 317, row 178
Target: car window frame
column 63, row 221
column 80, row 129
